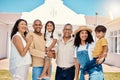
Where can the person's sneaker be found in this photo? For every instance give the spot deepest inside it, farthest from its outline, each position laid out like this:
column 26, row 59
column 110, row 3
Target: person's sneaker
column 39, row 78
column 44, row 78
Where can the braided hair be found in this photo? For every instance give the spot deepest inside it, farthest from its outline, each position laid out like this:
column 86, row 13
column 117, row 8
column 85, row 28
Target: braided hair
column 46, row 29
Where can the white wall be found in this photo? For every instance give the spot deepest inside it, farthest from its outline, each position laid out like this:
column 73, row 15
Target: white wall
column 3, row 41
column 113, row 59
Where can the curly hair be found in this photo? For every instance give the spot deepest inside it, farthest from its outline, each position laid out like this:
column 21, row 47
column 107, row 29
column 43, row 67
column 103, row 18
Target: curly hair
column 77, row 40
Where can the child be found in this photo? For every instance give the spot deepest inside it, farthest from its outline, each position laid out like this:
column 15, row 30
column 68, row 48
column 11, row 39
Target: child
column 100, row 50
column 51, row 39
column 101, row 47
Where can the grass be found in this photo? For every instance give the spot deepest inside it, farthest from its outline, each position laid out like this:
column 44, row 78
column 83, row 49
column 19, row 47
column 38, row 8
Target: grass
column 112, row 76
column 4, row 75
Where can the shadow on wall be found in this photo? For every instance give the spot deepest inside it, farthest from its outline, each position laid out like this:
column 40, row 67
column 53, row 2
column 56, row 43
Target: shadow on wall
column 3, row 58
column 113, row 59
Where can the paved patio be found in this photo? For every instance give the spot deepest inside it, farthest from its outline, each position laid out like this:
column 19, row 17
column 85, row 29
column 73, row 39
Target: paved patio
column 4, row 64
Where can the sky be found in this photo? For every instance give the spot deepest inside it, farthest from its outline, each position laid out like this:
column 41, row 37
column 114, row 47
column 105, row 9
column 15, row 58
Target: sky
column 87, row 7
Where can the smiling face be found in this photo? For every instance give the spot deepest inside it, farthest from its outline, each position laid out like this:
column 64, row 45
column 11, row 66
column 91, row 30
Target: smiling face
column 83, row 35
column 37, row 26
column 100, row 34
column 67, row 31
column 49, row 27
column 22, row 26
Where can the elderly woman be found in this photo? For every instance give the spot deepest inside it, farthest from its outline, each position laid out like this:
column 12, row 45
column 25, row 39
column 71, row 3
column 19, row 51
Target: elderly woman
column 20, row 58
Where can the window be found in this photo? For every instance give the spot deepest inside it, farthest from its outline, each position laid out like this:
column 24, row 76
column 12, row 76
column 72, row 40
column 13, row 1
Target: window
column 119, row 45
column 114, row 42
column 111, row 43
column 111, row 33
column 115, row 33
column 119, row 41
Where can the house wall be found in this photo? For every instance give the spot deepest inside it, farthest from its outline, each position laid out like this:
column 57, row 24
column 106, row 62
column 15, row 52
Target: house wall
column 113, row 59
column 3, row 41
column 113, row 36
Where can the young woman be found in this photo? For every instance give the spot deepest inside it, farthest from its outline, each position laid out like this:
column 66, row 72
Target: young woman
column 20, row 58
column 51, row 39
column 83, row 53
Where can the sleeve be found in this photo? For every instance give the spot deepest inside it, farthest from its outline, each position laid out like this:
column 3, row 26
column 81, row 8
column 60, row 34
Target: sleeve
column 90, row 50
column 104, row 42
column 92, row 46
column 55, row 35
column 75, row 55
column 35, row 52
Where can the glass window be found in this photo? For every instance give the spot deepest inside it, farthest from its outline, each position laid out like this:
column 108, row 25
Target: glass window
column 111, row 43
column 115, row 45
column 115, row 33
column 119, row 44
column 114, row 42
column 111, row 33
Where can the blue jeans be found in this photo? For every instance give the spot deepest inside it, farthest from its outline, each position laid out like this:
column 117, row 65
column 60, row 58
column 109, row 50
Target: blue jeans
column 65, row 74
column 96, row 73
column 83, row 58
column 92, row 63
column 37, row 71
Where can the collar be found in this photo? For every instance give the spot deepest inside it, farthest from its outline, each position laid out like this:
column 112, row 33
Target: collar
column 48, row 32
column 71, row 39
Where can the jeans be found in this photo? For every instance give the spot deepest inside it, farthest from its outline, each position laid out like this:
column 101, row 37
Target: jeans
column 94, row 70
column 96, row 73
column 65, row 74
column 37, row 71
column 92, row 63
column 83, row 58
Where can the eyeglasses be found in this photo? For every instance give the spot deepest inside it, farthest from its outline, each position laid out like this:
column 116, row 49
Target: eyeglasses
column 68, row 29
column 37, row 25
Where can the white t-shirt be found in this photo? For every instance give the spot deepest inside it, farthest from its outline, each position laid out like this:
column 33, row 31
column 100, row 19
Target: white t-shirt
column 50, row 40
column 90, row 50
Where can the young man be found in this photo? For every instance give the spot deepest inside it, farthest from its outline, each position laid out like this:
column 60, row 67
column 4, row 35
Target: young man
column 37, row 49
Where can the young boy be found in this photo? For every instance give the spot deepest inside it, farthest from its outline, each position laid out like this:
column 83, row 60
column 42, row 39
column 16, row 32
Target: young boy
column 101, row 47
column 100, row 50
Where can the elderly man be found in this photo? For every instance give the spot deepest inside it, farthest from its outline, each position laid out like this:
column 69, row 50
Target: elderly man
column 65, row 55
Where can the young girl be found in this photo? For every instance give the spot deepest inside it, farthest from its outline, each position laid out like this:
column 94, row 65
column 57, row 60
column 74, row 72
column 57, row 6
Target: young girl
column 51, row 39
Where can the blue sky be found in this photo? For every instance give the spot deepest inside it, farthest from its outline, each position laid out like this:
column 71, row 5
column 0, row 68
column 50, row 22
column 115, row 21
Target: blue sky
column 87, row 7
